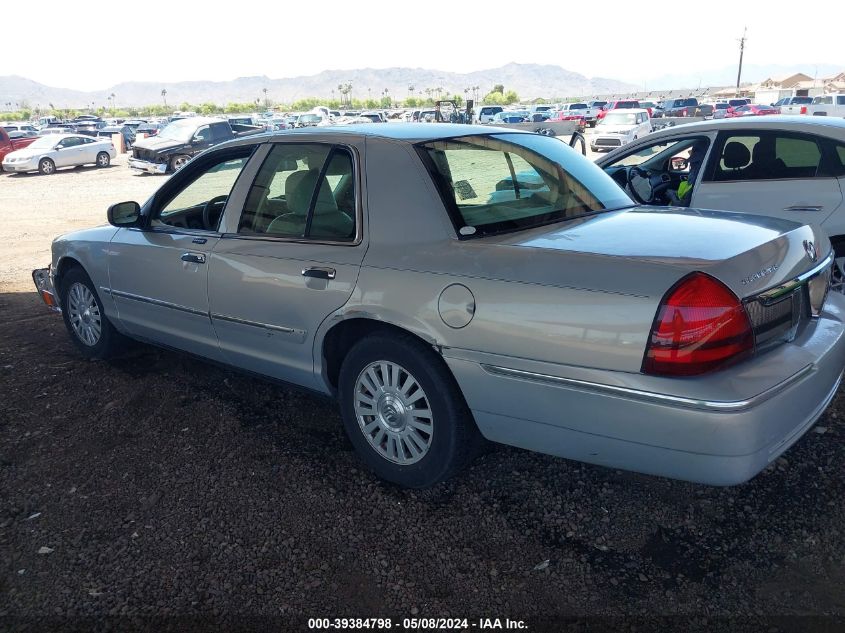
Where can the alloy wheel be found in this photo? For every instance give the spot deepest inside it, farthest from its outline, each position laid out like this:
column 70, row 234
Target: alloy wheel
column 393, row 412
column 84, row 314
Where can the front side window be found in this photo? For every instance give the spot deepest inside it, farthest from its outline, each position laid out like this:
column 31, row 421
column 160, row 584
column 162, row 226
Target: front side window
column 507, row 182
column 748, row 156
column 303, row 191
column 199, row 203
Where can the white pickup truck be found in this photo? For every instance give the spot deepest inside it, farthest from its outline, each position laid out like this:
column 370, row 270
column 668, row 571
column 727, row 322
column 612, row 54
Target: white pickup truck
column 828, row 105
column 793, row 105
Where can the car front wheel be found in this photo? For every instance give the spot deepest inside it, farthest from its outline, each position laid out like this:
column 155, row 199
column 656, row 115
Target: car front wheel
column 103, row 159
column 84, row 317
column 403, row 411
column 46, row 166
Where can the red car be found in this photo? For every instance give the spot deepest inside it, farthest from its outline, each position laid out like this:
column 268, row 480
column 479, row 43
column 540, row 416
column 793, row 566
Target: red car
column 615, row 105
column 751, row 109
column 11, row 144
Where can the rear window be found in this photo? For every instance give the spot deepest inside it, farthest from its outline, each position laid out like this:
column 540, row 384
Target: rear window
column 578, row 106
column 628, row 104
column 507, row 182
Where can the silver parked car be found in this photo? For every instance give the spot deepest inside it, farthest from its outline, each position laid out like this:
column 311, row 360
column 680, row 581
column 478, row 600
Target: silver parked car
column 445, row 283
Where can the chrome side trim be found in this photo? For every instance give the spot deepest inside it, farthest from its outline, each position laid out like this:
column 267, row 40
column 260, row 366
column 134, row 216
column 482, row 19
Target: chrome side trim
column 767, row 297
column 155, row 302
column 719, row 406
column 266, row 326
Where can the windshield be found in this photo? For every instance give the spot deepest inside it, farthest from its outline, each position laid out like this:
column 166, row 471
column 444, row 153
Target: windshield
column 44, row 142
column 577, row 106
column 627, row 104
column 507, row 182
column 619, row 118
column 180, row 130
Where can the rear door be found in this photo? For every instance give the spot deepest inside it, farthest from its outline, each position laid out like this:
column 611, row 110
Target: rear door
column 775, row 173
column 289, row 259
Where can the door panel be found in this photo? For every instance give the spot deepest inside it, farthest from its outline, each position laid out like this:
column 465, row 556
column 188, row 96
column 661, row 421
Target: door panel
column 266, row 312
column 769, row 172
column 805, row 201
column 158, row 295
column 291, row 260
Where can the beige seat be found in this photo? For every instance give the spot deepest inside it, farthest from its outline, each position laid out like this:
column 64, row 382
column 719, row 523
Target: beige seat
column 329, row 222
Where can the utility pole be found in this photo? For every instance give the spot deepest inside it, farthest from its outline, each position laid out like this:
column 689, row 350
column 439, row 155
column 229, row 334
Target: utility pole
column 741, row 51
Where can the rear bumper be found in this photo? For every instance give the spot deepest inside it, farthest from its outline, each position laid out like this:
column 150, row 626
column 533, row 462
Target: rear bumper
column 43, row 279
column 711, row 441
column 147, row 167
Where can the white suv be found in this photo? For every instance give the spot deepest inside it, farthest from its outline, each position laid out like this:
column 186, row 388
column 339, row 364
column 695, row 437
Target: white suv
column 486, row 113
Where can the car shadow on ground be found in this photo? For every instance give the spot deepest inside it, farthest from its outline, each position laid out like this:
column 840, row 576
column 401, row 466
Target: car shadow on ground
column 77, row 169
column 158, row 460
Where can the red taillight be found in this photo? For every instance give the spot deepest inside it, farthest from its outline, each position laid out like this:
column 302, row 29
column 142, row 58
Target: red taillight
column 700, row 326
column 803, row 109
column 684, row 112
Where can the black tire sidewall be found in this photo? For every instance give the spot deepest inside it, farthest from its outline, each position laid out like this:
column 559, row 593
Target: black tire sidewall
column 108, row 159
column 106, row 345
column 453, row 428
column 41, row 169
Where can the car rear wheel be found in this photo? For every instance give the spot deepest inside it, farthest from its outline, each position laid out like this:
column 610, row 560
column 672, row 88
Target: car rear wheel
column 46, row 166
column 178, row 162
column 84, row 317
column 403, row 411
column 103, row 159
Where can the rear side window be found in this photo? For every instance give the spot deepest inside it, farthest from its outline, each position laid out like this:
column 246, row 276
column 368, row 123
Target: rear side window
column 768, row 157
column 302, row 191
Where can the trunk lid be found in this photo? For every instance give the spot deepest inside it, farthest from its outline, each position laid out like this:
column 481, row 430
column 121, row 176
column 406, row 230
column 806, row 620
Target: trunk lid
column 748, row 253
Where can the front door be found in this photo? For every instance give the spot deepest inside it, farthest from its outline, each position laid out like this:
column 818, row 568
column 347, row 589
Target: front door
column 70, row 151
column 289, row 260
column 159, row 274
column 774, row 173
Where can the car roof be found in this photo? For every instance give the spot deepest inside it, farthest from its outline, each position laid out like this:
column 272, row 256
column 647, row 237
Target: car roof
column 809, row 124
column 407, row 132
column 628, row 110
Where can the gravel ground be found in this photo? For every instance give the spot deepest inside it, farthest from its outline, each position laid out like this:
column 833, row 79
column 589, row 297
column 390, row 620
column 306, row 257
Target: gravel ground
column 158, row 485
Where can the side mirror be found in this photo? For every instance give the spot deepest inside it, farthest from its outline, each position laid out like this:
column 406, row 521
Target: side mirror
column 199, row 138
column 124, row 214
column 678, row 163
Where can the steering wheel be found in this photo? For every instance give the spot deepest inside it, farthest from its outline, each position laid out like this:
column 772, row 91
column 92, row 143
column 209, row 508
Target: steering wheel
column 640, row 185
column 206, row 212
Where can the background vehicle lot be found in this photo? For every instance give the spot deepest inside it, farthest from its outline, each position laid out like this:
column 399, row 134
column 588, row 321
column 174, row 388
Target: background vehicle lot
column 166, row 485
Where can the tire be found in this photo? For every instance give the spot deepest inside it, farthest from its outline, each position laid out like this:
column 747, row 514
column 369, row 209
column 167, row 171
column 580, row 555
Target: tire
column 442, row 431
column 103, row 159
column 84, row 317
column 46, row 167
column 178, row 162
column 837, row 281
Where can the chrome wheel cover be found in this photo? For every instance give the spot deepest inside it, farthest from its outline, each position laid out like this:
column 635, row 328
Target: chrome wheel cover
column 180, row 162
column 84, row 314
column 47, row 166
column 837, row 277
column 102, row 159
column 393, row 412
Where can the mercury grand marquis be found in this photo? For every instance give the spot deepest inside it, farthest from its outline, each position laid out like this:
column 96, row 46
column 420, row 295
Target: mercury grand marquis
column 447, row 283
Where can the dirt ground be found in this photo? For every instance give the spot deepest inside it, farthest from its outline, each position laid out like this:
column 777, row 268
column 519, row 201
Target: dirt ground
column 158, row 485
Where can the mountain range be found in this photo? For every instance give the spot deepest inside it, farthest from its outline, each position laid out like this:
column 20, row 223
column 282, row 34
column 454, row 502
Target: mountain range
column 528, row 80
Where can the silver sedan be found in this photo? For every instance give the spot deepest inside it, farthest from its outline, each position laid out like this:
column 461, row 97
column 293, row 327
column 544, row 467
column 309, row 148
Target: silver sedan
column 447, row 283
column 49, row 153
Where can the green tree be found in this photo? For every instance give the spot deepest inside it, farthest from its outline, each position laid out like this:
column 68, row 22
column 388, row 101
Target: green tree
column 511, row 97
column 494, row 98
column 498, row 88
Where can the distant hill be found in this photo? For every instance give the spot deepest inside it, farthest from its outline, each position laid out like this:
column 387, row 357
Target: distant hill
column 528, row 80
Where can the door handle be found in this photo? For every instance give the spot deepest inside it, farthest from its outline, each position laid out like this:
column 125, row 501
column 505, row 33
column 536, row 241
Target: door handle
column 804, row 207
column 319, row 273
column 194, row 258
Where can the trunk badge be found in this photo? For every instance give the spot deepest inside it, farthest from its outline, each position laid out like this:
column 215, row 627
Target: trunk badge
column 810, row 249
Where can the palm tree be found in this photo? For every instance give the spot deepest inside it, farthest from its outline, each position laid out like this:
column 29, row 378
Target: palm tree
column 164, row 96
column 266, row 103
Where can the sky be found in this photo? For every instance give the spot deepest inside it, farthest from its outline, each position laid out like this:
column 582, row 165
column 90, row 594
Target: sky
column 618, row 39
